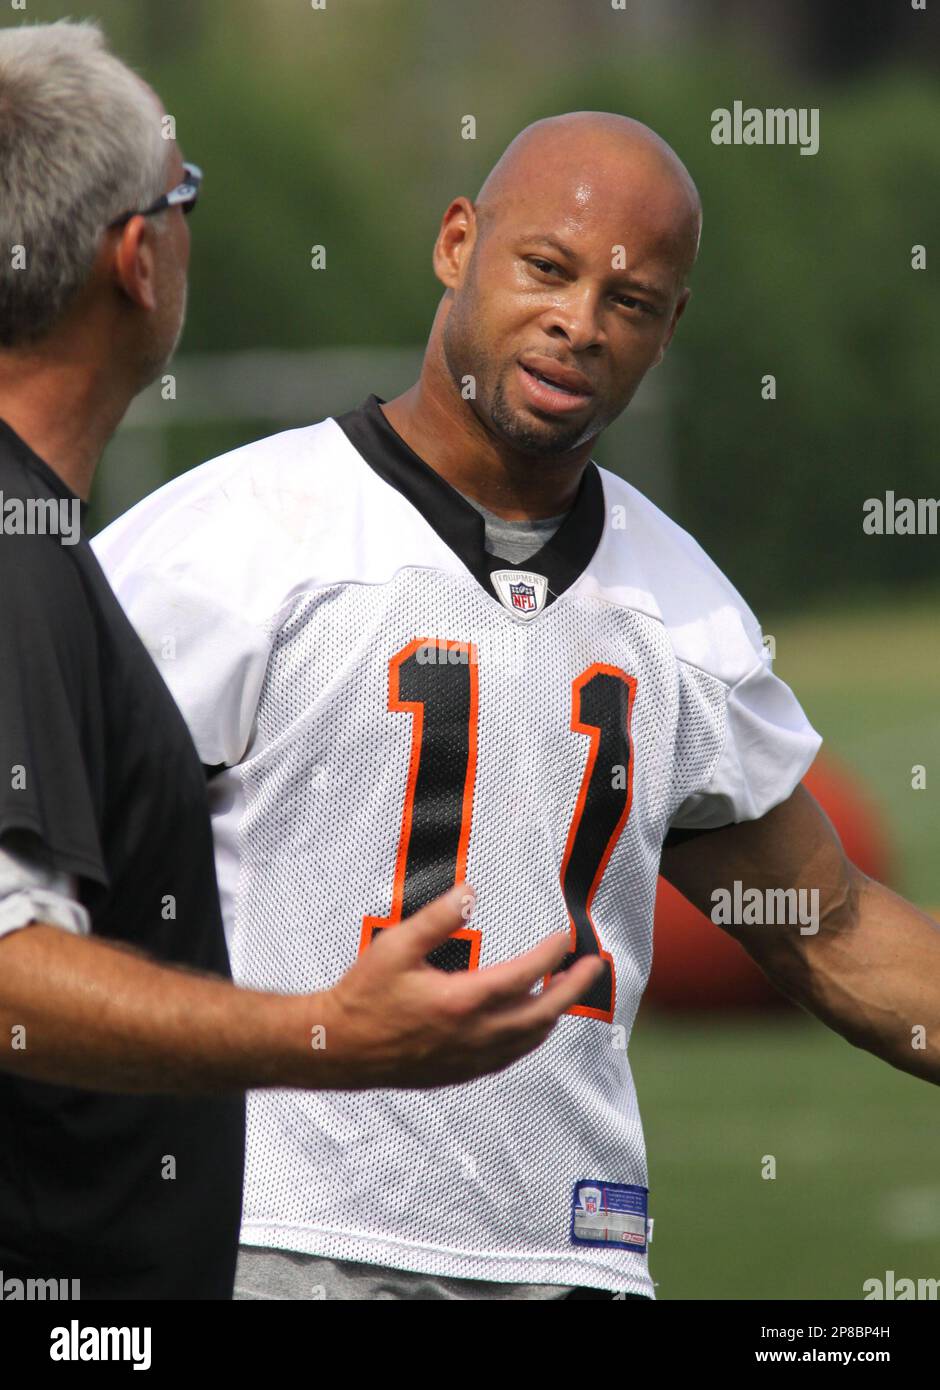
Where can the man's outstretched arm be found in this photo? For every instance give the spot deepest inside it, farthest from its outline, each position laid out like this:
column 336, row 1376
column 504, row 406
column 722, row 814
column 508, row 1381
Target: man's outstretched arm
column 85, row 1012
column 871, row 971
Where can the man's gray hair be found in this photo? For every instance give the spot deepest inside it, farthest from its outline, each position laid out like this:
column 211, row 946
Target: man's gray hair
column 80, row 143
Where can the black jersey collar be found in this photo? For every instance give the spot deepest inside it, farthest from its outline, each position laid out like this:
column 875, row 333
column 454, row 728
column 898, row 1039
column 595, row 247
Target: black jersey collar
column 563, row 557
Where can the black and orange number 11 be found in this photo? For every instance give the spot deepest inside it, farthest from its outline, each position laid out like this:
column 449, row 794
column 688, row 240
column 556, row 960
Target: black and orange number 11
column 435, row 682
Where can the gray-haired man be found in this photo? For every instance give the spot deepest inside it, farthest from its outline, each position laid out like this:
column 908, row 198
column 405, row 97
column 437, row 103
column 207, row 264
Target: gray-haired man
column 121, row 1114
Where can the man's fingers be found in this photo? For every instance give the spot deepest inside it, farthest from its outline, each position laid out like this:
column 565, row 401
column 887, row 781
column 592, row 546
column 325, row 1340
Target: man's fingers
column 514, row 978
column 570, row 986
column 541, row 1011
column 500, row 987
column 420, row 934
column 433, row 924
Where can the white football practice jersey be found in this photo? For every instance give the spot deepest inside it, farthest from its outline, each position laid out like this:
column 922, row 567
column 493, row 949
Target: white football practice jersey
column 393, row 710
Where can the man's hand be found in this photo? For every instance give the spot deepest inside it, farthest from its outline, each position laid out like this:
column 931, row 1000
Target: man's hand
column 870, row 970
column 85, row 1012
column 395, row 1020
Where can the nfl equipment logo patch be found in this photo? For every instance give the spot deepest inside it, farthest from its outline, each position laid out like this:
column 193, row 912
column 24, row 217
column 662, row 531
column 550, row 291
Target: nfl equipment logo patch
column 523, row 597
column 521, row 591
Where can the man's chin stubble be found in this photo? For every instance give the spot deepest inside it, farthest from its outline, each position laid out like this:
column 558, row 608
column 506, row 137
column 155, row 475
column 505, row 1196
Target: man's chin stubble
column 553, row 439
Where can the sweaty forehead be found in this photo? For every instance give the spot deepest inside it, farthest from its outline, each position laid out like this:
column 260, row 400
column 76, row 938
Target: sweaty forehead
column 604, row 181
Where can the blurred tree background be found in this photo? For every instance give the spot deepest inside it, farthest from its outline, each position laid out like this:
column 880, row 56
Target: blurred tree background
column 341, row 126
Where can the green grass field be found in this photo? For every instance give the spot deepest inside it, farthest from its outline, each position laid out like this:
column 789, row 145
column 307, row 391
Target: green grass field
column 869, row 679
column 856, row 1143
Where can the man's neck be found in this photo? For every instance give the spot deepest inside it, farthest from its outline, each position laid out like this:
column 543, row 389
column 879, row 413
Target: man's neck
column 444, row 431
column 64, row 409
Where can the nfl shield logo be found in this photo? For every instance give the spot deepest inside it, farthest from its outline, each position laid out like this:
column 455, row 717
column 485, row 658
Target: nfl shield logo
column 591, row 1200
column 522, row 592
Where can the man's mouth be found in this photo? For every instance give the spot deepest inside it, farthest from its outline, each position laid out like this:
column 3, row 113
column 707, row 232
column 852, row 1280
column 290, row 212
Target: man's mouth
column 559, row 393
column 556, row 385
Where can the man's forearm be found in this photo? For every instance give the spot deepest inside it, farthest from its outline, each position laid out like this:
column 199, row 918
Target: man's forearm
column 85, row 1012
column 871, row 973
column 79, row 1011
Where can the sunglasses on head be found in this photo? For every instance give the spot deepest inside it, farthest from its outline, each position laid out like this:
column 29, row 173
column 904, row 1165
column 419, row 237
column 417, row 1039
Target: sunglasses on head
column 183, row 196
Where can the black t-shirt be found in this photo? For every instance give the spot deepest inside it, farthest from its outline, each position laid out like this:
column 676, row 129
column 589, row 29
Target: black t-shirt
column 136, row 1196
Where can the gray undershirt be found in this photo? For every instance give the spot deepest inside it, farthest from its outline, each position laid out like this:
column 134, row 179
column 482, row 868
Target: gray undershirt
column 515, row 541
column 285, row 1274
column 263, row 1274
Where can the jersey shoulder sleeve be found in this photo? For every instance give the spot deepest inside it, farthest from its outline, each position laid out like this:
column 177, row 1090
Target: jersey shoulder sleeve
column 767, row 742
column 203, row 567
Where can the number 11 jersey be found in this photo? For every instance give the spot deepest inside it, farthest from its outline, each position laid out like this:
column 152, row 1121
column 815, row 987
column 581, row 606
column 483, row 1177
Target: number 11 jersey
column 387, row 709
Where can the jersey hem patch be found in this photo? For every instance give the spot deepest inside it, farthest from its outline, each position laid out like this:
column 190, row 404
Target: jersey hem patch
column 609, row 1214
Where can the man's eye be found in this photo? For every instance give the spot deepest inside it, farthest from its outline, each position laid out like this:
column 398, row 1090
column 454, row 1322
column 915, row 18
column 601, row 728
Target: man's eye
column 546, row 267
column 630, row 303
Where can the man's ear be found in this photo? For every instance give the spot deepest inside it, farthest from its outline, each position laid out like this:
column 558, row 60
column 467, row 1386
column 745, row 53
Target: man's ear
column 677, row 313
column 135, row 263
column 454, row 242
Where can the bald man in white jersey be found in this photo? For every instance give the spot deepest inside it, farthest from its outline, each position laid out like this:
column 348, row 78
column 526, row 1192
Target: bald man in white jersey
column 431, row 638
